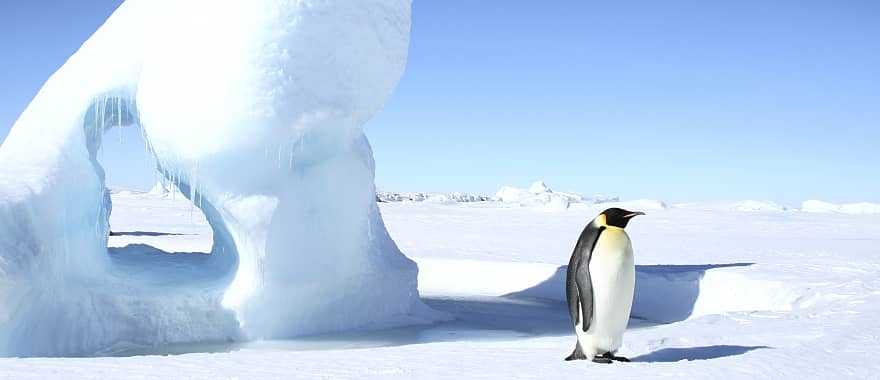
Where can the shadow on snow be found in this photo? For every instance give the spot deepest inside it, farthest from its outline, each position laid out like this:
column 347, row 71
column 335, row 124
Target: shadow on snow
column 671, row 355
column 184, row 270
column 663, row 293
column 534, row 312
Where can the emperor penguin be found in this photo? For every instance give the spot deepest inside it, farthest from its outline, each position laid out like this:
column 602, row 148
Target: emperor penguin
column 599, row 286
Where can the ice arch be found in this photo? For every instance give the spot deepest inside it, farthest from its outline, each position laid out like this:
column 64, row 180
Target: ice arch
column 255, row 109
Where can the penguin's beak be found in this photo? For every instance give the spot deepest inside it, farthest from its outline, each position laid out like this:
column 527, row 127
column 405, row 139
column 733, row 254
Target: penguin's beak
column 633, row 214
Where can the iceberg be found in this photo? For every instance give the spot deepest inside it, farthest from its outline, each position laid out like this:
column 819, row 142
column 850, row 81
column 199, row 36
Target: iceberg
column 538, row 195
column 254, row 110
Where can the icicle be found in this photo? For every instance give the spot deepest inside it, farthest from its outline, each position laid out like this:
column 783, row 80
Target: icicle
column 99, row 116
column 290, row 157
column 278, row 162
column 119, row 117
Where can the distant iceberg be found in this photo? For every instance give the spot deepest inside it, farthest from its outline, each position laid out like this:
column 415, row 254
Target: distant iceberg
column 539, row 195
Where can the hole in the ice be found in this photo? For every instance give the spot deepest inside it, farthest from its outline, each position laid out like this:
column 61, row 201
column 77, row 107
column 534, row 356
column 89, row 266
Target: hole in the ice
column 154, row 233
column 171, row 224
column 146, row 210
column 157, row 239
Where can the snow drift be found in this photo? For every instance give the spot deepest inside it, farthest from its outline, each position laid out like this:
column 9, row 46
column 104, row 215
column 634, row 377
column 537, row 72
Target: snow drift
column 254, row 111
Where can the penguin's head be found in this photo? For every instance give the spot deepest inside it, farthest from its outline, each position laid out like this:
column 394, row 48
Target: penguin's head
column 616, row 217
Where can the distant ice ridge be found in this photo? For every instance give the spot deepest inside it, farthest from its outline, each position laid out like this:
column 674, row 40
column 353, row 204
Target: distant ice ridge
column 256, row 116
column 638, row 205
column 862, row 208
column 755, row 206
column 385, row 196
column 739, row 206
column 539, row 195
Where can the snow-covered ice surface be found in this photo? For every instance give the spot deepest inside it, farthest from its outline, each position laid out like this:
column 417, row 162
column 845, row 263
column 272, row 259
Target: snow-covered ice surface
column 719, row 294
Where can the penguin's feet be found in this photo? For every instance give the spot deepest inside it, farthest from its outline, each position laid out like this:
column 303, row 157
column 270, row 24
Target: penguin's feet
column 611, row 356
column 601, row 360
column 577, row 354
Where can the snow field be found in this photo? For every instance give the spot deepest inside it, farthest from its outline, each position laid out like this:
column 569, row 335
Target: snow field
column 720, row 293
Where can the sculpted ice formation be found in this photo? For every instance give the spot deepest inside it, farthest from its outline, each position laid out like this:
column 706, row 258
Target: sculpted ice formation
column 255, row 110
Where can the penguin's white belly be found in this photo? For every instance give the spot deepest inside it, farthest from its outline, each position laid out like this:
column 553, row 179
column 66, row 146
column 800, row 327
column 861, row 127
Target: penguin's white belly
column 613, row 274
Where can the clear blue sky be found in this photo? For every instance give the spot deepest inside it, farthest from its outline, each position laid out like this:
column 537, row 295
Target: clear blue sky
column 676, row 100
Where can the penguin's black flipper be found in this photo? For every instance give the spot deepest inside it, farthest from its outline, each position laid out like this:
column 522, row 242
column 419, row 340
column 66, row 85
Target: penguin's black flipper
column 578, row 285
column 578, row 354
column 571, row 289
column 585, row 291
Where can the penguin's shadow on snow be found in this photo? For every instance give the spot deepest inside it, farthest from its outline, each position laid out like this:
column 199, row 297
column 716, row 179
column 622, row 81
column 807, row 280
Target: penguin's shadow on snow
column 663, row 293
column 671, row 355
